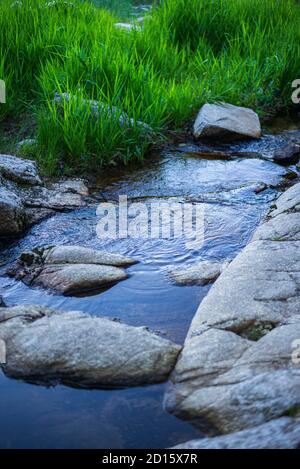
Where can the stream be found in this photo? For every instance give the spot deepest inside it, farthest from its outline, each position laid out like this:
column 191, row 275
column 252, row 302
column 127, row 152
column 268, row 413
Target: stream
column 34, row 416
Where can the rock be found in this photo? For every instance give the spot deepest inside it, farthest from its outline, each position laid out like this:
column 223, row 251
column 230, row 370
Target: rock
column 73, row 348
column 2, row 304
column 287, row 154
column 95, row 108
column 19, row 170
column 12, row 213
column 200, row 273
column 82, row 255
column 236, row 369
column 70, row 270
column 57, row 196
column 225, row 121
column 276, row 148
column 283, row 433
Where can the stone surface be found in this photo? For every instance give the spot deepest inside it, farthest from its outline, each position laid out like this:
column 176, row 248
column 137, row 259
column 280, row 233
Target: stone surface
column 48, row 346
column 200, row 273
column 25, row 199
column 12, row 213
column 283, row 433
column 236, row 369
column 19, row 170
column 58, row 196
column 70, row 270
column 225, row 121
column 82, row 255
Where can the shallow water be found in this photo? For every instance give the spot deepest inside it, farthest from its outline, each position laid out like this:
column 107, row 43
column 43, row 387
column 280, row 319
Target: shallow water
column 35, row 416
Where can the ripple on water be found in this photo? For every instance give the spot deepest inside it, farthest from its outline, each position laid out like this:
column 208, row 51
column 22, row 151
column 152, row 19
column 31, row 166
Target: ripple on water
column 63, row 417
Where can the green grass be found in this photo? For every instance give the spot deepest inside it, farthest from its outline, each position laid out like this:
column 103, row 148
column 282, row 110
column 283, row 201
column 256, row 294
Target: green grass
column 189, row 52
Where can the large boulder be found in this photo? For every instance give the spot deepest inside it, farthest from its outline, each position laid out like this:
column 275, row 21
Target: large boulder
column 236, row 369
column 70, row 270
column 48, row 346
column 225, row 121
column 283, row 433
column 12, row 213
column 19, row 170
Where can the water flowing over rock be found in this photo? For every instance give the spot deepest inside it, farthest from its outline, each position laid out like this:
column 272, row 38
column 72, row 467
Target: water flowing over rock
column 12, row 213
column 283, row 433
column 70, row 270
column 49, row 347
column 201, row 273
column 236, row 369
column 225, row 121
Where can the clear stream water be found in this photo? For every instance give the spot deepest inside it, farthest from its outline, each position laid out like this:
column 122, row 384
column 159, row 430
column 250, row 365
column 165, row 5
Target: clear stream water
column 34, row 416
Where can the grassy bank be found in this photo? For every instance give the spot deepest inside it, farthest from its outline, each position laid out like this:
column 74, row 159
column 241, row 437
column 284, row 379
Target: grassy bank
column 246, row 52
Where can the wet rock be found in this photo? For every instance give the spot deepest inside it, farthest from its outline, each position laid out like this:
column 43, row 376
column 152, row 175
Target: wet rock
column 59, row 196
column 73, row 348
column 19, row 170
column 236, row 369
column 283, row 433
column 225, row 121
column 12, row 213
column 201, row 273
column 70, row 270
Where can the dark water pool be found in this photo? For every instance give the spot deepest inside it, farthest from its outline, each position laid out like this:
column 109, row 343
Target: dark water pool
column 37, row 417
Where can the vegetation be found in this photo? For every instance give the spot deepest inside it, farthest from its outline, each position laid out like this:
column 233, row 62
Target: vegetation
column 188, row 52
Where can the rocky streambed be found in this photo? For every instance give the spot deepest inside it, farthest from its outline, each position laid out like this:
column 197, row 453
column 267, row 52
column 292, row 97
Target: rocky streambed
column 138, row 317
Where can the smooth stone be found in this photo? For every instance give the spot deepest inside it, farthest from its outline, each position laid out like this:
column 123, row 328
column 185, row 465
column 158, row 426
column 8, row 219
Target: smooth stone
column 19, row 170
column 81, row 255
column 78, row 278
column 283, row 433
column 73, row 348
column 225, row 121
column 70, row 270
column 200, row 273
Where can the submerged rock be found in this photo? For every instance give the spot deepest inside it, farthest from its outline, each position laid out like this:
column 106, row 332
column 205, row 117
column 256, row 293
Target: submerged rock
column 276, row 148
column 236, row 369
column 283, row 433
column 19, row 170
column 201, row 273
column 73, row 348
column 70, row 270
column 225, row 121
